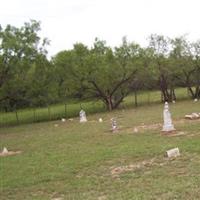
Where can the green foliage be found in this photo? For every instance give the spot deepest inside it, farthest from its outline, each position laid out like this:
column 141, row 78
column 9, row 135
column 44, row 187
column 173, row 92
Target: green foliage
column 29, row 79
column 20, row 52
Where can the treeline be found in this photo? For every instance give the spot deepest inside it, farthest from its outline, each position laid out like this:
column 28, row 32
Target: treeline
column 29, row 79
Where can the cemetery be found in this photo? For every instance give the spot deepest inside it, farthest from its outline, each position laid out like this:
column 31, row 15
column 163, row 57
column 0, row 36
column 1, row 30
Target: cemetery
column 98, row 120
column 149, row 152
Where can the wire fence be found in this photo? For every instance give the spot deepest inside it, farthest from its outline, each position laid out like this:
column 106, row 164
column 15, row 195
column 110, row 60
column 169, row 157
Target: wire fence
column 53, row 112
column 57, row 112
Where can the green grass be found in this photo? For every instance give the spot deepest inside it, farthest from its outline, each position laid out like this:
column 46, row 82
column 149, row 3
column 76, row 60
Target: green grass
column 74, row 161
column 58, row 111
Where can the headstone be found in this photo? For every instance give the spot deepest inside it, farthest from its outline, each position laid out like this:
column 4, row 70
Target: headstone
column 195, row 100
column 5, row 150
column 188, row 117
column 135, row 130
column 63, row 119
column 173, row 153
column 173, row 101
column 114, row 125
column 193, row 116
column 100, row 120
column 167, row 126
column 82, row 116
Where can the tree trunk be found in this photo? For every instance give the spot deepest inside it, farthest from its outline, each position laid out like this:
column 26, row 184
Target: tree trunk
column 135, row 95
column 197, row 91
column 174, row 95
column 109, row 103
column 163, row 88
column 191, row 92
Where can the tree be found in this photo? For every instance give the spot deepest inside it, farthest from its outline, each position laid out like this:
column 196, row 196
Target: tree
column 100, row 72
column 196, row 64
column 161, row 48
column 19, row 50
column 185, row 58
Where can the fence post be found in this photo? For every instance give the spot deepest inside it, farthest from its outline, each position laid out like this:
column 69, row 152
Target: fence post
column 149, row 93
column 65, row 111
column 49, row 112
column 17, row 118
column 135, row 95
column 34, row 115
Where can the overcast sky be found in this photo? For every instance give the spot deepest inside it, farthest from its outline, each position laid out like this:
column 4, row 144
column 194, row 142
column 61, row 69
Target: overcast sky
column 66, row 22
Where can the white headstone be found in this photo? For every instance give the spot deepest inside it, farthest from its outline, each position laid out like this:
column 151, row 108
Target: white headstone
column 135, row 130
column 5, row 150
column 63, row 119
column 114, row 125
column 82, row 116
column 195, row 100
column 195, row 115
column 167, row 126
column 173, row 153
column 100, row 120
column 173, row 101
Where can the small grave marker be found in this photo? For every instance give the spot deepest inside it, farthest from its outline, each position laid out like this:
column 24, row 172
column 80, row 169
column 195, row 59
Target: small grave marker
column 173, row 153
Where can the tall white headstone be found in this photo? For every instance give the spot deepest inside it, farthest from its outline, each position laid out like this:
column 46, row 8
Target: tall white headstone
column 167, row 126
column 82, row 116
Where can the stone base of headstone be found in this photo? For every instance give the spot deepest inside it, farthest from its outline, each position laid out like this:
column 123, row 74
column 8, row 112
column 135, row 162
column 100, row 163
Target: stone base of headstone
column 83, row 120
column 5, row 152
column 169, row 132
column 168, row 129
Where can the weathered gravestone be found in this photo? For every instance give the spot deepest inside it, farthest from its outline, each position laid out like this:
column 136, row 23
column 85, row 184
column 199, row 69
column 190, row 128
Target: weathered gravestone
column 173, row 153
column 167, row 126
column 82, row 115
column 5, row 150
column 193, row 116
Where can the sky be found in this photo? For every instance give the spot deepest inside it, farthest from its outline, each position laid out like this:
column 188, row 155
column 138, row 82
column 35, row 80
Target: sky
column 66, row 22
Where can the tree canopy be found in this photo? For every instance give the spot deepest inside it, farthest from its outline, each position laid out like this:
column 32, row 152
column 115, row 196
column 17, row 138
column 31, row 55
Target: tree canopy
column 29, row 79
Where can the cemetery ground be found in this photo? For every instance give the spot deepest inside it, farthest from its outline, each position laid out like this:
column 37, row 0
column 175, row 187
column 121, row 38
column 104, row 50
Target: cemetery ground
column 72, row 160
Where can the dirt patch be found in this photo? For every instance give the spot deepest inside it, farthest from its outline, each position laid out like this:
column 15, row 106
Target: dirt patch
column 116, row 171
column 174, row 133
column 102, row 197
column 150, row 126
column 158, row 126
column 142, row 165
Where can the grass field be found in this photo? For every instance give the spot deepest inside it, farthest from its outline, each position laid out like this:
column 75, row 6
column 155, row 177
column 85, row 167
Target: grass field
column 59, row 111
column 86, row 161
